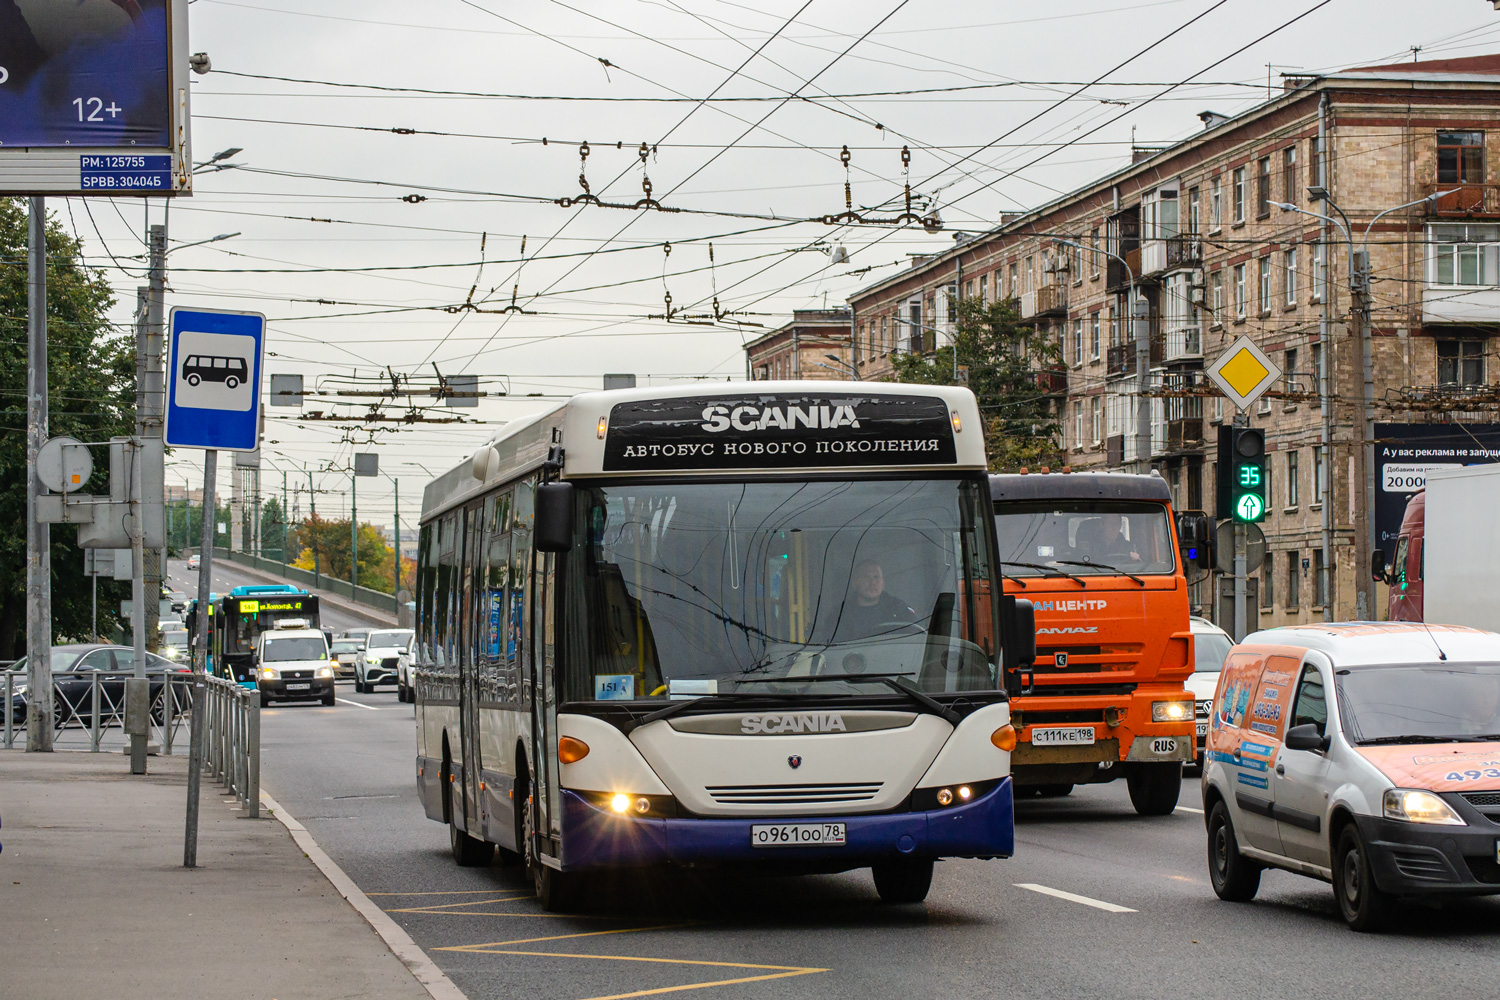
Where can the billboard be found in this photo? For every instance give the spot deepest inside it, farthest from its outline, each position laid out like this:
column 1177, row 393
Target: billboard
column 1405, row 453
column 93, row 97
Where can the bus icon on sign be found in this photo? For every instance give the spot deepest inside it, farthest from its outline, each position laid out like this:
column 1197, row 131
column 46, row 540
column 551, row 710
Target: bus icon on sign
column 200, row 368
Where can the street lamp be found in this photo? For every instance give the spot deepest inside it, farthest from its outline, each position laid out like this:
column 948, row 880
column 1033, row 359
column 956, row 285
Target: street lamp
column 847, row 367
column 199, row 243
column 1142, row 361
column 1359, row 301
column 216, row 162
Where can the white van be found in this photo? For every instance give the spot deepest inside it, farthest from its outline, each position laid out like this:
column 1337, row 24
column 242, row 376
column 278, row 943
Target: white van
column 1364, row 754
column 293, row 664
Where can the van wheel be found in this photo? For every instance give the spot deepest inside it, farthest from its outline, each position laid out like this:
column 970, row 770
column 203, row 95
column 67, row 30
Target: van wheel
column 1154, row 788
column 1235, row 877
column 328, row 699
column 1364, row 906
column 904, row 881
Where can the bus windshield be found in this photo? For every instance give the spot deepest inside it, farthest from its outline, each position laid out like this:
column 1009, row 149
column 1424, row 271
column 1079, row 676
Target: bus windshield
column 689, row 589
column 1048, row 537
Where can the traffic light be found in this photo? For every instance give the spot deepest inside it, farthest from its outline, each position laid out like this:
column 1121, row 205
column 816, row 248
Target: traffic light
column 1242, row 474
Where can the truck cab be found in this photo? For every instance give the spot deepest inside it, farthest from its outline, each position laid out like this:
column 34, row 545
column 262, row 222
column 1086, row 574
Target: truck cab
column 1404, row 572
column 1097, row 556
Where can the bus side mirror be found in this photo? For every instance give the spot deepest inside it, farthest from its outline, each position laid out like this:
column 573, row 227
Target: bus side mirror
column 554, row 518
column 1377, row 566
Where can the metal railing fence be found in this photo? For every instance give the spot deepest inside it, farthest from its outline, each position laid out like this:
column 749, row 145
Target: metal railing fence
column 231, row 740
column 88, row 708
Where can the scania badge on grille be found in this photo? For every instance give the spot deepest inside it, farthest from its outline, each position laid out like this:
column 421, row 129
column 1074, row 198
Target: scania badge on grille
column 794, row 761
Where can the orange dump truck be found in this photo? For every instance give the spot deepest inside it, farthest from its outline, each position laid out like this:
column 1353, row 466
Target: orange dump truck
column 1097, row 555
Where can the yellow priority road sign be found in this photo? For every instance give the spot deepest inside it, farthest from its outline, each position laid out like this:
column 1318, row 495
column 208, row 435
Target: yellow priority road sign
column 1244, row 372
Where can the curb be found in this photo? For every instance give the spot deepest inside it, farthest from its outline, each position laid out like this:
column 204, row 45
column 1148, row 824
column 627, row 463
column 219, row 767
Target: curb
column 438, row 986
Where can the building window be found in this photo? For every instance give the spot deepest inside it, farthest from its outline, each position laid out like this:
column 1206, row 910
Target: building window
column 1215, row 206
column 1263, row 188
column 1239, row 291
column 1267, row 590
column 1078, row 424
column 1293, row 580
column 1460, row 157
column 1098, row 420
column 1319, row 271
column 1028, row 277
column 914, row 326
column 885, row 337
column 1460, row 362
column 1315, row 163
column 1237, row 194
column 1094, row 337
column 1094, row 255
column 1012, row 282
column 1291, row 478
column 1319, row 485
column 1264, row 274
column 1289, row 272
column 1289, row 172
column 1320, row 580
column 1192, row 212
column 1078, row 341
column 1459, row 263
column 1075, row 263
column 1218, row 410
column 1216, row 298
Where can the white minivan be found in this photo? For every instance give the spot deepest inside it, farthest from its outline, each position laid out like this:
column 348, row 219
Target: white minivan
column 1364, row 754
column 292, row 664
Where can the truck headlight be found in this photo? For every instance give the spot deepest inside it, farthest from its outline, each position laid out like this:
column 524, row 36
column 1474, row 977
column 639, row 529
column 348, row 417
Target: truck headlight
column 269, row 674
column 1416, row 806
column 1171, row 711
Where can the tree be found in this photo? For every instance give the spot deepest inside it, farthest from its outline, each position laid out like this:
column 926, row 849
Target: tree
column 1009, row 366
column 91, row 386
column 329, row 542
column 272, row 523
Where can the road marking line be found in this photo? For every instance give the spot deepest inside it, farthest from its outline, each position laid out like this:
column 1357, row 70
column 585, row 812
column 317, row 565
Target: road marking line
column 1188, row 809
column 445, row 892
column 345, row 701
column 1097, row 904
column 780, row 971
column 564, row 937
column 422, row 968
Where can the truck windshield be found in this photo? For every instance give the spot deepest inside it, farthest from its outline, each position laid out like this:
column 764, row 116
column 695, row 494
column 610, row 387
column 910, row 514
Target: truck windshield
column 294, row 648
column 688, row 589
column 1074, row 535
column 1425, row 701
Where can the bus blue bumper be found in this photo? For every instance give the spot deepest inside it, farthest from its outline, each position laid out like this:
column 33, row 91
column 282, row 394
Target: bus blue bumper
column 596, row 838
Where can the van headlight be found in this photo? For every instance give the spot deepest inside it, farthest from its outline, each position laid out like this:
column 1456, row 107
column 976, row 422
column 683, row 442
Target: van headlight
column 1413, row 805
column 325, row 671
column 269, row 674
column 1171, row 711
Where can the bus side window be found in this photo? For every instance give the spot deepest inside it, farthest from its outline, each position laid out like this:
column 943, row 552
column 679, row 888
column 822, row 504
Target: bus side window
column 522, row 509
column 442, row 611
column 425, row 584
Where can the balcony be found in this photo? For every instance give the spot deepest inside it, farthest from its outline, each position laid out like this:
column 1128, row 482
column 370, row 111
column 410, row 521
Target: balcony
column 1053, row 380
column 1185, row 434
column 1116, row 275
column 1466, row 202
column 1185, row 343
column 1119, row 359
column 1052, row 300
column 1184, row 251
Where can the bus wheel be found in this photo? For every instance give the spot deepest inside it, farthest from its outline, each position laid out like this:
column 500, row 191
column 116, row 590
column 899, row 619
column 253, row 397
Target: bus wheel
column 231, row 383
column 194, row 379
column 556, row 891
column 904, row 881
column 1154, row 788
column 468, row 852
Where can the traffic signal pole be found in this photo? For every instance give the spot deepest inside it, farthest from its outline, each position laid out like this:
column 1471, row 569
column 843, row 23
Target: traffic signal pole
column 1241, row 622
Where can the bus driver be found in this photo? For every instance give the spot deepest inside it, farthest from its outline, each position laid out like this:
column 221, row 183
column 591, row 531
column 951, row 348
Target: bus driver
column 872, row 611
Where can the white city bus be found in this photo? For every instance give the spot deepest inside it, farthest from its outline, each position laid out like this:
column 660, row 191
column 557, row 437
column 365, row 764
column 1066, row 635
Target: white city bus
column 739, row 624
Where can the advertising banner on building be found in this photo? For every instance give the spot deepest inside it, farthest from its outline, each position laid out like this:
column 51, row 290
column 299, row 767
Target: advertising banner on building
column 1405, row 453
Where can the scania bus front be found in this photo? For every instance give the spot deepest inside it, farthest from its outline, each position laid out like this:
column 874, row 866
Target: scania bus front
column 1097, row 555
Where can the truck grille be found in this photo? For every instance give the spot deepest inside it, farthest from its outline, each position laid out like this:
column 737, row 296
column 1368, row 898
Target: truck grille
column 793, row 794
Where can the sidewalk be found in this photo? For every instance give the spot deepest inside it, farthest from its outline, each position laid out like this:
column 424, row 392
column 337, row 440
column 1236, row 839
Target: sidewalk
column 94, row 900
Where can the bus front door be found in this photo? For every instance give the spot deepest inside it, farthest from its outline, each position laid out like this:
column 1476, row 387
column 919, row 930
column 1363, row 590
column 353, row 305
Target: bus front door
column 470, row 637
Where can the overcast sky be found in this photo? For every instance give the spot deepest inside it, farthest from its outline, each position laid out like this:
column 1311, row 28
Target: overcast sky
column 591, row 276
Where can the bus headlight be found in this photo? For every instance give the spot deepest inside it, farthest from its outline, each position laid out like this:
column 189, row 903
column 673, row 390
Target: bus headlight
column 1417, row 806
column 620, row 803
column 269, row 674
column 1171, row 711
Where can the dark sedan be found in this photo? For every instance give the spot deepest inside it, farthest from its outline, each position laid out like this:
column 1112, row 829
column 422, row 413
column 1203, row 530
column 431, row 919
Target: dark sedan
column 74, row 669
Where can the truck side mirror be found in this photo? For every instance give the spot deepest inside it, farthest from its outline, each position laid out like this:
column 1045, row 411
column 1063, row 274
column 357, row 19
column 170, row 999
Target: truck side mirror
column 1377, row 566
column 1025, row 632
column 1195, row 537
column 553, row 523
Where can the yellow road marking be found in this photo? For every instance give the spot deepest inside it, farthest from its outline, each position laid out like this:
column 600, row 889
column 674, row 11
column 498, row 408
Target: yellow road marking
column 451, row 907
column 704, row 986
column 446, row 892
column 777, row 971
column 561, row 937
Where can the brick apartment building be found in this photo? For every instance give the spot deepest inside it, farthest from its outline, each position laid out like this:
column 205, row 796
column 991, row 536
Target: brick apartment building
column 1195, row 229
column 814, row 345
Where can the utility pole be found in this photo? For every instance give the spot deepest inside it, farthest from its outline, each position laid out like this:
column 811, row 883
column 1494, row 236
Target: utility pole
column 1359, row 302
column 353, row 534
column 312, row 504
column 396, row 540
column 284, row 515
column 150, row 408
column 38, row 534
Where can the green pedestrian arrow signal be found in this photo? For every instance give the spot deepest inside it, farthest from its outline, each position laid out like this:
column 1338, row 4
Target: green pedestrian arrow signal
column 1249, row 507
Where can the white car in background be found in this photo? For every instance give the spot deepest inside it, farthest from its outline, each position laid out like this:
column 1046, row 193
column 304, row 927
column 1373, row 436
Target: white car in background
column 1211, row 645
column 383, row 651
column 405, row 691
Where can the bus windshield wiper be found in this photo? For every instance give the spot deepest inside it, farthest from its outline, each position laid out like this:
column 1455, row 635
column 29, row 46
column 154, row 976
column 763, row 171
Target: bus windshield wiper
column 892, row 681
column 1421, row 738
column 686, row 703
column 1048, row 570
column 1100, row 565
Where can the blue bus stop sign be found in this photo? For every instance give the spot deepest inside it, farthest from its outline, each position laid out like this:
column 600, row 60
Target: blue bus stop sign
column 214, row 364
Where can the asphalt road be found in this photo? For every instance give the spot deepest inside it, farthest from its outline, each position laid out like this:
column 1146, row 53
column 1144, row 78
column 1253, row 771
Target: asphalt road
column 1144, row 921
